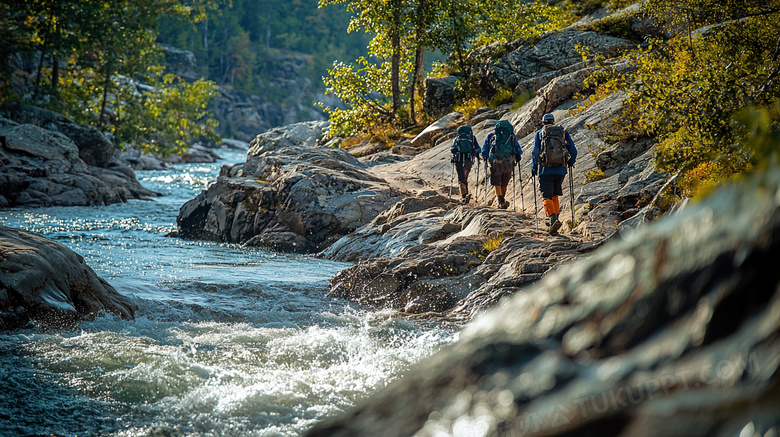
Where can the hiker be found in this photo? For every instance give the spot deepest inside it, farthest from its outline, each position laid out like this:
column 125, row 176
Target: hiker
column 553, row 151
column 465, row 150
column 502, row 151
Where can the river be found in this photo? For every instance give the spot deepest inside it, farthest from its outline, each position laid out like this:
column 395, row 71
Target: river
column 228, row 341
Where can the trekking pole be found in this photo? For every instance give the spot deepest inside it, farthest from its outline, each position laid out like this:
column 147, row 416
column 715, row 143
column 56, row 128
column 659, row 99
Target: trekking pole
column 486, row 181
column 571, row 194
column 514, row 190
column 476, row 189
column 452, row 170
column 536, row 211
column 522, row 196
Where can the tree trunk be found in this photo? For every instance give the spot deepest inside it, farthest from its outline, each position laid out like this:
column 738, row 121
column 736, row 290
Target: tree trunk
column 412, row 114
column 55, row 64
column 55, row 77
column 419, row 60
column 206, row 60
column 38, row 75
column 395, row 42
column 458, row 41
column 106, row 84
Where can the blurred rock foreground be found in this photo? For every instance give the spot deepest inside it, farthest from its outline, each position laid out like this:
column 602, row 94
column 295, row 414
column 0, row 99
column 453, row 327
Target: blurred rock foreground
column 670, row 330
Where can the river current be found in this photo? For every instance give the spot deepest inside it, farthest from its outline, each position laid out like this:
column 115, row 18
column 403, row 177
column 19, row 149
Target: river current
column 228, row 340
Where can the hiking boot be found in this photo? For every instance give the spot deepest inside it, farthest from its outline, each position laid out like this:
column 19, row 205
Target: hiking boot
column 504, row 205
column 467, row 198
column 556, row 224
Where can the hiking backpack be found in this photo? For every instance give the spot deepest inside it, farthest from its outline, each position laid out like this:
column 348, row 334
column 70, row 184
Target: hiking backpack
column 504, row 144
column 554, row 152
column 464, row 143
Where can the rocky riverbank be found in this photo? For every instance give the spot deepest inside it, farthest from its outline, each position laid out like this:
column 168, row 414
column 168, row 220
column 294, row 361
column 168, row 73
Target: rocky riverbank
column 48, row 160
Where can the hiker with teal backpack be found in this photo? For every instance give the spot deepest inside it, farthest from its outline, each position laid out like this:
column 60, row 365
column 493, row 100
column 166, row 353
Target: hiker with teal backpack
column 465, row 150
column 553, row 151
column 503, row 152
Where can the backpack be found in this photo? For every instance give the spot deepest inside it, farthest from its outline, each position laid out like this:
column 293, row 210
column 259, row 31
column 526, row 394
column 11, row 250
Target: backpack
column 554, row 152
column 464, row 143
column 503, row 145
column 464, row 140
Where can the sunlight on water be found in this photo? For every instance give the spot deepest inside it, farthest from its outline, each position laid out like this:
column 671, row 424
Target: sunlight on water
column 227, row 341
column 186, row 178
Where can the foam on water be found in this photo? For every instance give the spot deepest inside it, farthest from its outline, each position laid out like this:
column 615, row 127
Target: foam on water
column 212, row 377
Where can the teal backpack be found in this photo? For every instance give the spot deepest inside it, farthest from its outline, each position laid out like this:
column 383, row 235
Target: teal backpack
column 463, row 142
column 504, row 144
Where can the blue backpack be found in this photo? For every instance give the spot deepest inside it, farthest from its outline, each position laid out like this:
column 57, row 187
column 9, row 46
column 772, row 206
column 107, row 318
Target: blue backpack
column 504, row 144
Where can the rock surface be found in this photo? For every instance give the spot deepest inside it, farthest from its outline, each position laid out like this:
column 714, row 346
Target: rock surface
column 180, row 62
column 674, row 329
column 290, row 195
column 424, row 256
column 47, row 283
column 94, row 148
column 42, row 167
column 439, row 94
column 555, row 52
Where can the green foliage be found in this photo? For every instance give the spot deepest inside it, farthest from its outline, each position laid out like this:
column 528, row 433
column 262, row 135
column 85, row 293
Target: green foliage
column 172, row 117
column 503, row 96
column 616, row 25
column 239, row 43
column 450, row 26
column 761, row 125
column 503, row 21
column 687, row 91
column 492, row 243
column 373, row 89
column 595, row 175
column 365, row 89
column 88, row 51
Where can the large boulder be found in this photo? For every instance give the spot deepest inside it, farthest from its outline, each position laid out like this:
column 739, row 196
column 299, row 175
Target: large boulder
column 94, row 148
column 445, row 124
column 439, row 94
column 180, row 62
column 45, row 282
column 554, row 52
column 672, row 330
column 291, row 194
column 43, row 168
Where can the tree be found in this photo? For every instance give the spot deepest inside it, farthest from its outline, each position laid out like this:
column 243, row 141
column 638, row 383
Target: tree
column 364, row 88
column 386, row 20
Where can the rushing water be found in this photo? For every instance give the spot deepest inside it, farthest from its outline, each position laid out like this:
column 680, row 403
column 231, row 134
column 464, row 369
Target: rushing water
column 227, row 341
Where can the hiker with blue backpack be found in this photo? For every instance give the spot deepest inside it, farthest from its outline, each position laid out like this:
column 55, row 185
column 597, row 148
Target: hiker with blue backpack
column 465, row 150
column 502, row 151
column 553, row 151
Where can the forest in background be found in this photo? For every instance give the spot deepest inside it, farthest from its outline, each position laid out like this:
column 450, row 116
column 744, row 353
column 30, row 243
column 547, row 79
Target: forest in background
column 238, row 43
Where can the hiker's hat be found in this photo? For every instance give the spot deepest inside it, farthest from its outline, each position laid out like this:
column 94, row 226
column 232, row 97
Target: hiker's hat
column 548, row 118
